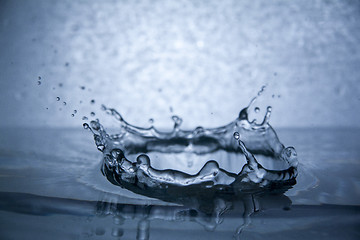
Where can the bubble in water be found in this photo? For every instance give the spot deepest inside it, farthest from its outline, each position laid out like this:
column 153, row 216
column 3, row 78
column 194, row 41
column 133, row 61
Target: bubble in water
column 39, row 82
column 92, row 114
column 57, row 98
column 257, row 109
column 236, row 135
column 64, row 103
column 92, row 101
column 84, row 118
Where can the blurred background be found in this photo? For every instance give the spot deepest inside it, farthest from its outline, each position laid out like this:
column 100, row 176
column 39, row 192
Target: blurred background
column 201, row 60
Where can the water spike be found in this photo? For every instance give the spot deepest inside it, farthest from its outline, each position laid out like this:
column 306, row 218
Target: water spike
column 249, row 156
column 177, row 121
column 199, row 131
column 87, row 127
column 267, row 116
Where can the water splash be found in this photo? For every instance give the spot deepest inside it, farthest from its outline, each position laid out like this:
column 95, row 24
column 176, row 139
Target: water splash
column 240, row 136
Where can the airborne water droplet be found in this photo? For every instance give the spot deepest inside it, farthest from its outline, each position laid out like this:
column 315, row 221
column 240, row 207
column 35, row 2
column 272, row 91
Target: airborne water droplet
column 64, row 103
column 57, row 99
column 92, row 101
column 73, row 115
column 75, row 111
column 84, row 118
column 236, row 135
column 39, row 82
column 86, row 126
column 257, row 109
column 92, row 114
column 95, row 125
column 151, row 121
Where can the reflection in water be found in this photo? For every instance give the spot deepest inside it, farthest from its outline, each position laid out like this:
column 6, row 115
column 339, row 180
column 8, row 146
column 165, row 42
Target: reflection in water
column 208, row 212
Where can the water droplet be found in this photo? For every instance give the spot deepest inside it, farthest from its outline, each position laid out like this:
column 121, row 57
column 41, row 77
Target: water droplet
column 39, row 82
column 103, row 107
column 60, row 84
column 273, row 96
column 73, row 115
column 92, row 101
column 86, row 126
column 171, row 109
column 80, row 102
column 57, row 99
column 64, row 103
column 269, row 108
column 82, row 87
column 177, row 120
column 262, row 90
column 39, row 78
column 47, row 108
column 66, row 64
column 92, row 114
column 75, row 111
column 199, row 130
column 95, row 125
column 151, row 121
column 236, row 135
column 84, row 118
column 101, row 148
column 257, row 109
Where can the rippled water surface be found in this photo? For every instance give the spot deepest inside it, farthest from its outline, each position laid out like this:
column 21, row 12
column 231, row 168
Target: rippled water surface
column 51, row 187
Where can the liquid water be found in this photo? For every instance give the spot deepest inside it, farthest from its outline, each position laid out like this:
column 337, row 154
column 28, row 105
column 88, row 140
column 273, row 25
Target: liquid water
column 51, row 188
column 172, row 184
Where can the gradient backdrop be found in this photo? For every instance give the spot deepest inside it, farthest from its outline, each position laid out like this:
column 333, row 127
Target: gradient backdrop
column 202, row 60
